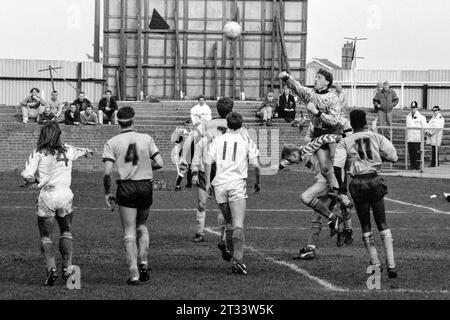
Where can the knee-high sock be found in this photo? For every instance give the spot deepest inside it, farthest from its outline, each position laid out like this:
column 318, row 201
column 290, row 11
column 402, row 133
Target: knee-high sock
column 314, row 234
column 229, row 237
column 48, row 251
column 179, row 178
column 386, row 237
column 238, row 244
column 131, row 255
column 200, row 221
column 319, row 207
column 66, row 248
column 369, row 243
column 221, row 223
column 142, row 244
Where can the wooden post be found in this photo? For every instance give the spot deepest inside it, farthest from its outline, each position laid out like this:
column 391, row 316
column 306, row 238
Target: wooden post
column 178, row 80
column 425, row 96
column 224, row 51
column 241, row 54
column 165, row 56
column 139, row 50
column 123, row 50
column 274, row 34
column 97, row 32
column 262, row 50
column 205, row 26
column 185, row 44
column 106, row 41
column 234, row 53
column 216, row 73
column 145, row 58
column 79, row 73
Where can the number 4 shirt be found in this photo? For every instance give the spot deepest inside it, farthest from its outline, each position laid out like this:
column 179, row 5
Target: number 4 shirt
column 362, row 149
column 133, row 154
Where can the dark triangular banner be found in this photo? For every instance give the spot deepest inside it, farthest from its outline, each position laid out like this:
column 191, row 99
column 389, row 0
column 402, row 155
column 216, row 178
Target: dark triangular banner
column 157, row 22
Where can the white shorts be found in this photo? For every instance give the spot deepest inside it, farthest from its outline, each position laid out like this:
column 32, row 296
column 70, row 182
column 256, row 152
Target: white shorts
column 231, row 191
column 54, row 201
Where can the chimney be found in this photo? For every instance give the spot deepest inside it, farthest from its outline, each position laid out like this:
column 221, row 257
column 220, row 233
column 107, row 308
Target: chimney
column 347, row 52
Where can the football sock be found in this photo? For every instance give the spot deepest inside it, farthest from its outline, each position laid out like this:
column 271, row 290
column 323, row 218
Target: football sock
column 143, row 243
column 386, row 237
column 179, row 180
column 238, row 244
column 320, row 208
column 66, row 248
column 131, row 255
column 314, row 234
column 369, row 243
column 200, row 221
column 49, row 253
column 221, row 223
column 229, row 237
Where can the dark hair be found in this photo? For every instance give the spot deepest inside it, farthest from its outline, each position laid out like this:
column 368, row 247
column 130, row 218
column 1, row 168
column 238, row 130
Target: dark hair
column 34, row 89
column 328, row 76
column 90, row 106
column 54, row 91
column 358, row 119
column 108, row 91
column 81, row 92
column 125, row 117
column 415, row 104
column 201, row 97
column 224, row 107
column 234, row 121
column 50, row 139
column 73, row 104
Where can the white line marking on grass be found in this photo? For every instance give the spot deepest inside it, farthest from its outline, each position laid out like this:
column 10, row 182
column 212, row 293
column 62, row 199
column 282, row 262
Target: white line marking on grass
column 327, row 285
column 417, row 206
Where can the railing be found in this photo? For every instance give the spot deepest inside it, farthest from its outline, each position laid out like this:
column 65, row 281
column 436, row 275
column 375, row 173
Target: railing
column 422, row 142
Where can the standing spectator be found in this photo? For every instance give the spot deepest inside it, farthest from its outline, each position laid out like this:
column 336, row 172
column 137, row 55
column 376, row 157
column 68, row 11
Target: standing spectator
column 107, row 109
column 384, row 101
column 31, row 105
column 56, row 107
column 88, row 116
column 434, row 137
column 72, row 116
column 343, row 100
column 267, row 109
column 413, row 137
column 46, row 116
column 200, row 112
column 82, row 102
column 377, row 89
column 286, row 105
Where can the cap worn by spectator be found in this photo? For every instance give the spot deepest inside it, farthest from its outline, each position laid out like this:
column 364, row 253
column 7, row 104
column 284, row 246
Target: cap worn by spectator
column 436, row 108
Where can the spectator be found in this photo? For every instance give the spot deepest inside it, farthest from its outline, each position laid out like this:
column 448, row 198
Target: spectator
column 286, row 105
column 434, row 137
column 31, row 105
column 88, row 116
column 107, row 109
column 56, row 107
column 200, row 111
column 82, row 102
column 384, row 101
column 267, row 109
column 46, row 116
column 377, row 89
column 342, row 96
column 72, row 116
column 413, row 137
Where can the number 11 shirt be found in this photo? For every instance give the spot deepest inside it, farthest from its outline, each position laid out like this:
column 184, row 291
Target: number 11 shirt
column 133, row 154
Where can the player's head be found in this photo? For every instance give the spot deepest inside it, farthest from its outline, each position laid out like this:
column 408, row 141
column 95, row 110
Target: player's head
column 324, row 80
column 50, row 139
column 234, row 121
column 224, row 107
column 201, row 99
column 358, row 120
column 125, row 117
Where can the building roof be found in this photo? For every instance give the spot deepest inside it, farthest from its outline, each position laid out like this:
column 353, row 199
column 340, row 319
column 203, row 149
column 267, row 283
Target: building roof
column 326, row 63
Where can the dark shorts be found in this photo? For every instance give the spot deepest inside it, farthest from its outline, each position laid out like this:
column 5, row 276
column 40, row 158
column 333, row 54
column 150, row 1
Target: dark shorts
column 369, row 188
column 135, row 194
column 202, row 177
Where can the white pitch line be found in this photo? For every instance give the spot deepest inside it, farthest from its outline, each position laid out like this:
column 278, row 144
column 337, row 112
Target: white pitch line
column 327, row 285
column 417, row 206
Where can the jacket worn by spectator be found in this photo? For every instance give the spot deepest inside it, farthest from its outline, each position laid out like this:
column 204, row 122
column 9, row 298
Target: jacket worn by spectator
column 434, row 137
column 285, row 104
column 90, row 119
column 385, row 100
column 82, row 105
column 45, row 118
column 272, row 104
column 415, row 121
column 70, row 118
column 112, row 104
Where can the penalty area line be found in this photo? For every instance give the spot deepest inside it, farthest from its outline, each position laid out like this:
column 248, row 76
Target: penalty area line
column 417, row 206
column 327, row 285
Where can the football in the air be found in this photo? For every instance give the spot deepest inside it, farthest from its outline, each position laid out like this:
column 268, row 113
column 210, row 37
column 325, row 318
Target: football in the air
column 232, row 30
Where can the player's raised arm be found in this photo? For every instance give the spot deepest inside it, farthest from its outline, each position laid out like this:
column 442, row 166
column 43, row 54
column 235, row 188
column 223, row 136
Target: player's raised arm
column 304, row 93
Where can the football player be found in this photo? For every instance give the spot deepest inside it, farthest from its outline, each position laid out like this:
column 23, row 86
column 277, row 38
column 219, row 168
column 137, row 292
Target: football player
column 52, row 160
column 136, row 156
column 363, row 150
column 232, row 152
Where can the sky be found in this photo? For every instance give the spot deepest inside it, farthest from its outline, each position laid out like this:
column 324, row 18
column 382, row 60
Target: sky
column 402, row 34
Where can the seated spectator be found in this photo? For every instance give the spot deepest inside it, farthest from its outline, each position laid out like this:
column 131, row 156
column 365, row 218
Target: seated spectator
column 82, row 102
column 267, row 110
column 107, row 109
column 88, row 116
column 201, row 111
column 46, row 116
column 286, row 105
column 31, row 105
column 56, row 107
column 72, row 116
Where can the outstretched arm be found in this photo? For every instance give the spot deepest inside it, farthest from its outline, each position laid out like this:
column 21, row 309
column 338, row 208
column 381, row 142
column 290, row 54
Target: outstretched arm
column 305, row 94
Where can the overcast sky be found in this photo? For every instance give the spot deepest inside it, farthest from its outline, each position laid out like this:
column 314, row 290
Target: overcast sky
column 402, row 34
